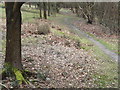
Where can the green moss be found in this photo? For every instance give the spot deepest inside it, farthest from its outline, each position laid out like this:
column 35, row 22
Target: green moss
column 11, row 71
column 19, row 76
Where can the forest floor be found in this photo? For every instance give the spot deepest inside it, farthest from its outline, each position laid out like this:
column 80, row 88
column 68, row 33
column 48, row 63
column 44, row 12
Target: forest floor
column 62, row 58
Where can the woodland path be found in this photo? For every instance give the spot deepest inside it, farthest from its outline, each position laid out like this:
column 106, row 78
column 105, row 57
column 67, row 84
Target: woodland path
column 69, row 22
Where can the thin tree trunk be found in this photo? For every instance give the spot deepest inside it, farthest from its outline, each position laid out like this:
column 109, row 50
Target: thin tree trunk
column 13, row 37
column 72, row 9
column 84, row 15
column 76, row 11
column 90, row 20
column 30, row 5
column 49, row 9
column 40, row 8
column 45, row 10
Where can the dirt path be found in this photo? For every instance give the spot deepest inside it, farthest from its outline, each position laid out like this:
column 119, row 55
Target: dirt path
column 79, row 32
column 69, row 22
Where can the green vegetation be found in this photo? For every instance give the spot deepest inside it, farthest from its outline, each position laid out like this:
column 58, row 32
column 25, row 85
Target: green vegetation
column 2, row 12
column 30, row 39
column 9, row 70
column 27, row 15
column 3, row 45
column 83, row 41
column 111, row 45
column 64, row 10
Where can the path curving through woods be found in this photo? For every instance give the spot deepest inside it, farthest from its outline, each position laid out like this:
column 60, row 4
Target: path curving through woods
column 80, row 32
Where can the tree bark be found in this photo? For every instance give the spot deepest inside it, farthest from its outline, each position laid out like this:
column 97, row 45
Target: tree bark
column 49, row 8
column 13, row 36
column 40, row 9
column 45, row 10
column 29, row 5
column 76, row 11
column 90, row 20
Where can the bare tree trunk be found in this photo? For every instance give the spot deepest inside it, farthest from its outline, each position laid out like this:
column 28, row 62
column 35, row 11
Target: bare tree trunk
column 72, row 9
column 84, row 14
column 90, row 20
column 49, row 8
column 76, row 11
column 30, row 5
column 40, row 9
column 45, row 10
column 13, row 37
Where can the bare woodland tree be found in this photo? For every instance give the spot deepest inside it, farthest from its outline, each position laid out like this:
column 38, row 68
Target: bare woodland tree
column 106, row 13
column 13, row 37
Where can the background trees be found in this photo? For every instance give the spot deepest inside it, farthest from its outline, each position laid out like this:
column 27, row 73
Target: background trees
column 105, row 13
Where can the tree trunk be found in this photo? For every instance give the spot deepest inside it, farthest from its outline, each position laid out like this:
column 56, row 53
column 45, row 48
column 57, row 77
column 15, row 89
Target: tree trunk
column 76, row 11
column 49, row 8
column 72, row 9
column 45, row 9
column 13, row 36
column 90, row 20
column 29, row 5
column 57, row 9
column 40, row 8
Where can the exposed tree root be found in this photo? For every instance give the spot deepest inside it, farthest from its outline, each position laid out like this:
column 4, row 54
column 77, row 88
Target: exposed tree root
column 20, row 76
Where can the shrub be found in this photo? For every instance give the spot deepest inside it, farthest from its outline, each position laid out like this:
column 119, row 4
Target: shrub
column 43, row 29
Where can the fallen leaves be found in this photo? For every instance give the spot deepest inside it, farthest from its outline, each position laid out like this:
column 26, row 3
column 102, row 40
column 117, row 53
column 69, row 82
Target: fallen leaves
column 57, row 61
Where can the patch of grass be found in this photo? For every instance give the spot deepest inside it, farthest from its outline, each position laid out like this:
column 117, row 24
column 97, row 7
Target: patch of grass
column 105, row 81
column 29, row 17
column 56, row 32
column 2, row 5
column 3, row 46
column 107, row 74
column 83, row 41
column 64, row 10
column 113, row 46
column 28, row 40
column 2, row 12
column 107, row 78
column 109, row 45
column 55, row 18
column 26, row 16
